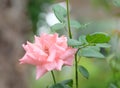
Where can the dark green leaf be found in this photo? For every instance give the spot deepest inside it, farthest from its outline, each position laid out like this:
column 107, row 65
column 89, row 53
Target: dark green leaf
column 75, row 24
column 98, row 37
column 84, row 71
column 91, row 51
column 60, row 12
column 68, row 82
column 73, row 42
column 57, row 26
column 59, row 85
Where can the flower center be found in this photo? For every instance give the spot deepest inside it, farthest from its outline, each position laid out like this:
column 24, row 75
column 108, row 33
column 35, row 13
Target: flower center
column 46, row 50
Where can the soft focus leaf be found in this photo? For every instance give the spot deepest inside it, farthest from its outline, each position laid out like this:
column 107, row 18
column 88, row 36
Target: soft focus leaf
column 68, row 82
column 103, row 45
column 91, row 51
column 73, row 42
column 112, row 86
column 60, row 12
column 82, row 39
column 98, row 37
column 94, row 48
column 34, row 9
column 64, row 84
column 85, row 25
column 84, row 71
column 57, row 26
column 75, row 24
column 59, row 85
column 116, row 3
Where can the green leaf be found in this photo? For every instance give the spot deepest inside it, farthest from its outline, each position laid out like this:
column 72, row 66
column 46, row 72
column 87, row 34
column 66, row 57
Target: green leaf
column 103, row 45
column 57, row 26
column 94, row 48
column 68, row 82
column 75, row 24
column 116, row 3
column 84, row 71
column 59, row 85
column 91, row 51
column 98, row 37
column 64, row 84
column 60, row 12
column 73, row 42
column 112, row 85
column 82, row 39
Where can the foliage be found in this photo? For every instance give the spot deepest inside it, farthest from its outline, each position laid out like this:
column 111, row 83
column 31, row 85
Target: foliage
column 88, row 45
column 84, row 71
column 64, row 84
column 35, row 7
column 114, row 60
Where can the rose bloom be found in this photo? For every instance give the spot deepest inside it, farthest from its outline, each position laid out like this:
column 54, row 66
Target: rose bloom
column 48, row 52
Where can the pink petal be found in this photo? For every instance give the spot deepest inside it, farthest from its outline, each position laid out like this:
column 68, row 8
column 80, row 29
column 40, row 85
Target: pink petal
column 50, row 65
column 26, row 48
column 50, row 40
column 37, row 40
column 40, row 52
column 59, row 65
column 68, row 56
column 69, row 61
column 52, row 54
column 40, row 71
column 69, row 52
column 27, row 59
column 59, row 48
column 48, row 52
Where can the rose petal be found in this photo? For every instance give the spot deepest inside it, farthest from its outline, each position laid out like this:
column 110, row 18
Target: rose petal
column 48, row 52
column 69, row 61
column 27, row 60
column 50, row 65
column 52, row 54
column 40, row 71
column 69, row 53
column 59, row 65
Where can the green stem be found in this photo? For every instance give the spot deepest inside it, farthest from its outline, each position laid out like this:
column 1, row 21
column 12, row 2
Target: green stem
column 53, row 77
column 76, row 71
column 70, row 36
column 68, row 19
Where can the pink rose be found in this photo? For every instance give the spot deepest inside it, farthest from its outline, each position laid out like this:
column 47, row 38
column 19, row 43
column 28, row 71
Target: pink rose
column 48, row 52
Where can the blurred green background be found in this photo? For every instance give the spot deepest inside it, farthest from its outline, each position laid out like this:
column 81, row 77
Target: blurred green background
column 20, row 20
column 103, row 16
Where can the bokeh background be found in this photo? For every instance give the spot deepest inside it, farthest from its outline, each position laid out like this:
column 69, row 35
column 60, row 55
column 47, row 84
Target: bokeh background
column 20, row 20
